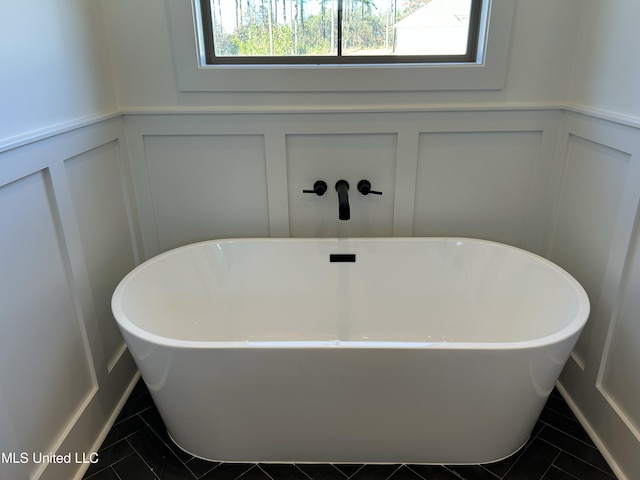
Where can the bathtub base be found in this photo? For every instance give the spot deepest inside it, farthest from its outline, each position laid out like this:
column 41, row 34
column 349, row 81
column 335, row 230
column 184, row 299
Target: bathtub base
column 349, row 462
column 417, row 406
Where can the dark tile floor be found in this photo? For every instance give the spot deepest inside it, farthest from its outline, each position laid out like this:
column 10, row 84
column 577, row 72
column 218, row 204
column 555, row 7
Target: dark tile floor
column 138, row 448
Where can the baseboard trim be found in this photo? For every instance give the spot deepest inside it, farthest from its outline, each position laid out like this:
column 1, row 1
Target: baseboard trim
column 109, row 424
column 591, row 432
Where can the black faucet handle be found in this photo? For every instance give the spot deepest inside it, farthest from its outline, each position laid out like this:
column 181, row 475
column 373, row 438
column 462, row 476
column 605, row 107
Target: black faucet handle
column 319, row 188
column 364, row 187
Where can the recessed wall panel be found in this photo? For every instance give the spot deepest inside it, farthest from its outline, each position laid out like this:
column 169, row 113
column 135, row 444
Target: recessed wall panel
column 476, row 184
column 207, row 186
column 333, row 157
column 620, row 375
column 44, row 370
column 593, row 183
column 99, row 202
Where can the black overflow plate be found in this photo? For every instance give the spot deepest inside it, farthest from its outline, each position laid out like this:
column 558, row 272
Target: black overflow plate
column 342, row 257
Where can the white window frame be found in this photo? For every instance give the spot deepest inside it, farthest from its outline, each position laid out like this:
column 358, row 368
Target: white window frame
column 194, row 75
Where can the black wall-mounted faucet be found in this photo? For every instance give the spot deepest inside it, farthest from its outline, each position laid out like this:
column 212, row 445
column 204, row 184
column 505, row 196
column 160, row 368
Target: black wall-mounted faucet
column 342, row 187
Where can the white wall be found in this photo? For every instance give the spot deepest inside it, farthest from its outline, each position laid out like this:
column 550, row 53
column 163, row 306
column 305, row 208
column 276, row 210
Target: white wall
column 543, row 38
column 290, row 151
column 67, row 235
column 607, row 65
column 55, row 66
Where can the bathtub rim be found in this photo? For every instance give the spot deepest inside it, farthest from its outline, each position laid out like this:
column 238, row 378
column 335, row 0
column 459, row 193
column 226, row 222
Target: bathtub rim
column 569, row 331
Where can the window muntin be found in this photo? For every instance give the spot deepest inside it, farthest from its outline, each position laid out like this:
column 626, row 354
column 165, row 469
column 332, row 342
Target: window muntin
column 247, row 32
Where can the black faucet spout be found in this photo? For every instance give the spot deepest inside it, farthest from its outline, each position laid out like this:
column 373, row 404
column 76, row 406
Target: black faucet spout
column 342, row 187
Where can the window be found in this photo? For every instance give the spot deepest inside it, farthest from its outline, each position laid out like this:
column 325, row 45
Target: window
column 191, row 33
column 340, row 31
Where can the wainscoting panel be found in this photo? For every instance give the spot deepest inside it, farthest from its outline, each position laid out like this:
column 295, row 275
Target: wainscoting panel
column 476, row 184
column 595, row 237
column 98, row 191
column 207, row 186
column 43, row 352
column 467, row 173
column 350, row 157
column 619, row 372
column 593, row 181
column 68, row 233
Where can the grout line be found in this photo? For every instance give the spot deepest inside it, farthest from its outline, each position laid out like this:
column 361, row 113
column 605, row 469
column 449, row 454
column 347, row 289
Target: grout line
column 394, row 472
column 257, row 465
column 553, row 426
column 339, row 471
column 109, row 445
column 143, row 460
column 184, row 464
column 565, row 472
column 136, row 414
column 491, row 473
column 107, row 466
column 360, row 468
column 303, row 472
column 562, row 414
column 587, row 463
column 208, row 472
column 454, row 472
column 116, row 474
column 569, row 435
column 520, row 452
column 577, row 458
column 412, row 470
column 205, row 473
column 551, row 465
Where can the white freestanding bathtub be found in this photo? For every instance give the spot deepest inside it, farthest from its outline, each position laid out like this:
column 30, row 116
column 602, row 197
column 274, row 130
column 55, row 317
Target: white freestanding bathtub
column 403, row 350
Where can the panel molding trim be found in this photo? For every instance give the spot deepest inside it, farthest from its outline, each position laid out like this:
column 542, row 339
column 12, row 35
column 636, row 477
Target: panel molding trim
column 38, row 203
column 600, row 384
